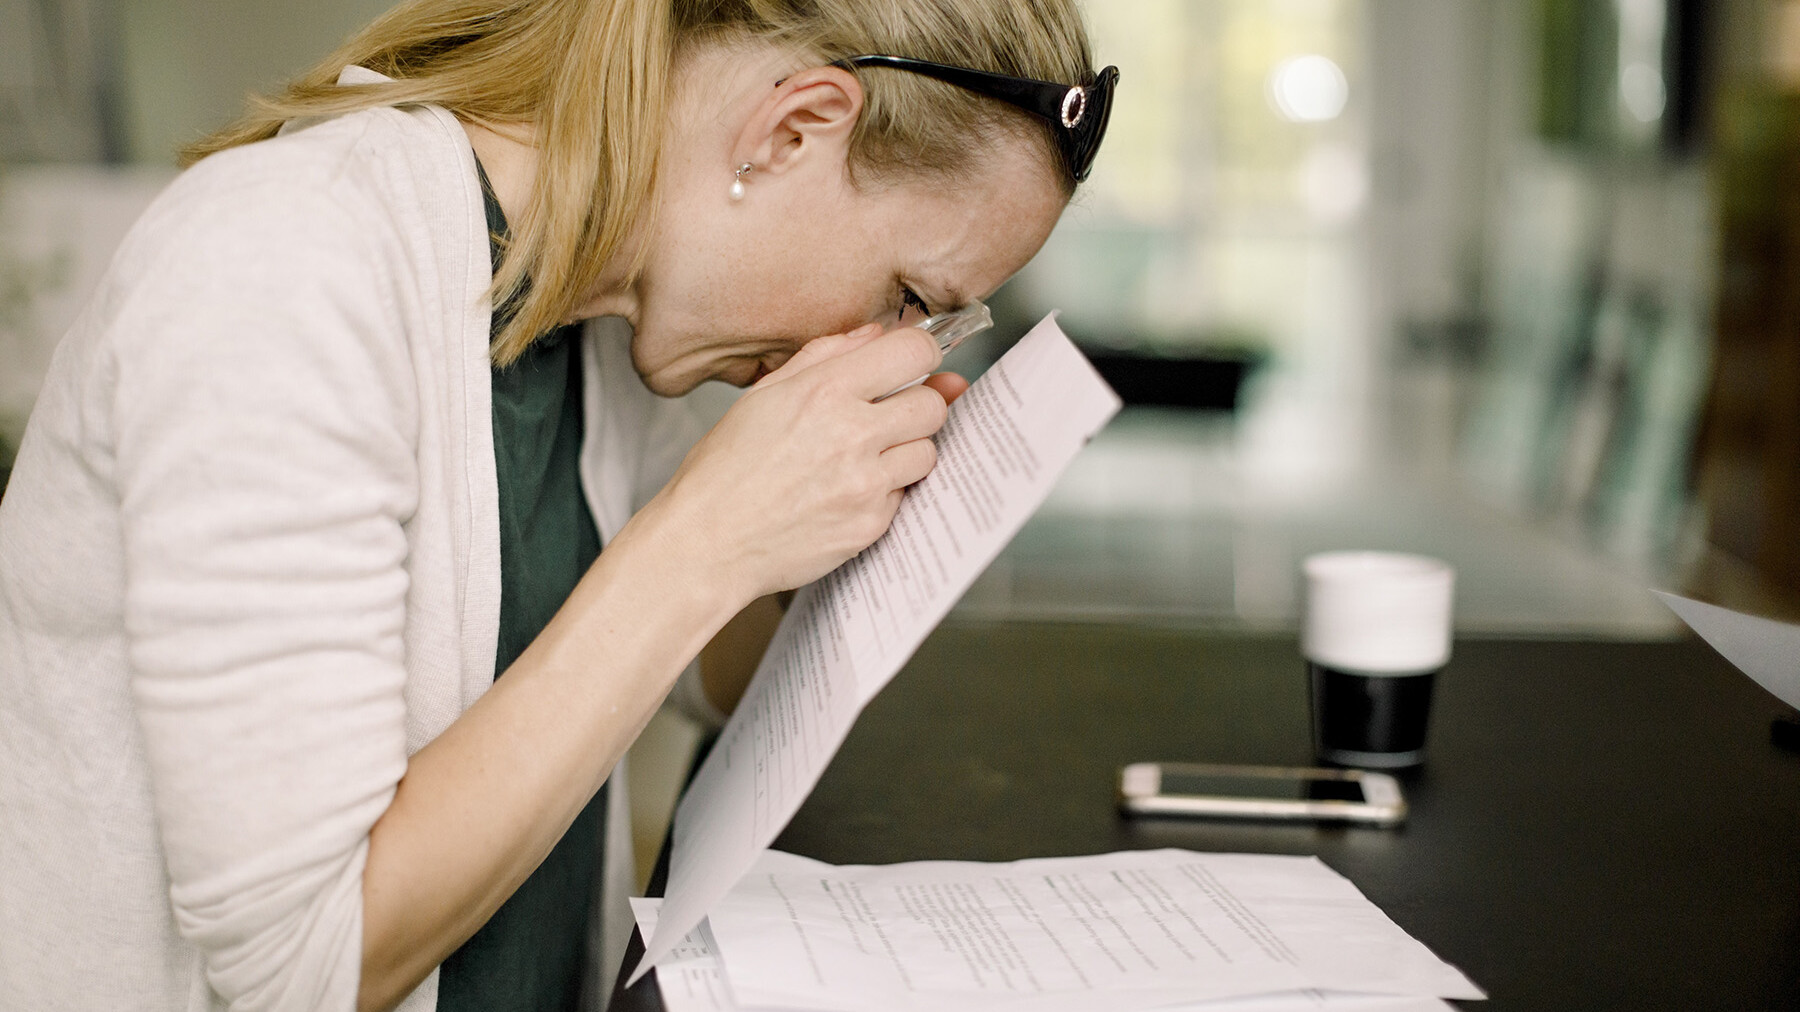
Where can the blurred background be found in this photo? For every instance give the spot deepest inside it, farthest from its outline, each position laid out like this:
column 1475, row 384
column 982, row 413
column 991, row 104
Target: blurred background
column 1512, row 282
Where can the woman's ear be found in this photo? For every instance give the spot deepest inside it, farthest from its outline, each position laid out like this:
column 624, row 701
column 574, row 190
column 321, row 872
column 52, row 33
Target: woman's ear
column 806, row 116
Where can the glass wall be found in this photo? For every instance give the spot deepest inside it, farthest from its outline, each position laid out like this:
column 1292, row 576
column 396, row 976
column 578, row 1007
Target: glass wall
column 1459, row 247
column 1225, row 217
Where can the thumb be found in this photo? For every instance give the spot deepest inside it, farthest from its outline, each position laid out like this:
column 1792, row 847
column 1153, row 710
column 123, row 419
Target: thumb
column 822, row 349
column 949, row 385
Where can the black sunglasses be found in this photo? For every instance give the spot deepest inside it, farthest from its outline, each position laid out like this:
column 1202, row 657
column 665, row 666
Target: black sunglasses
column 1078, row 114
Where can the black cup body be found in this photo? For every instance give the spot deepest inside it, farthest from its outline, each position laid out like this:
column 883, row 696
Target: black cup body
column 1362, row 719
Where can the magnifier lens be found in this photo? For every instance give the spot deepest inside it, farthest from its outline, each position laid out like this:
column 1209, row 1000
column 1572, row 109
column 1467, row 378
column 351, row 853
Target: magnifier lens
column 958, row 325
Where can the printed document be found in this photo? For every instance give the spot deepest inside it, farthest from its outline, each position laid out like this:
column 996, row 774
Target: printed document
column 1766, row 650
column 1131, row 930
column 691, row 979
column 1007, row 440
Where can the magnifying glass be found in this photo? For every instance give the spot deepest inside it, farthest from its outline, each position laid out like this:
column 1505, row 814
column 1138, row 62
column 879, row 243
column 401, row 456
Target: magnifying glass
column 950, row 329
column 958, row 325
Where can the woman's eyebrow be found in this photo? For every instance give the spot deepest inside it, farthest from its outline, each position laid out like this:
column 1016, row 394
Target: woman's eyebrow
column 952, row 298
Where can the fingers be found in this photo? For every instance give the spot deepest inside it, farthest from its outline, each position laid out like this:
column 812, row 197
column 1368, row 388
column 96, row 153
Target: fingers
column 808, row 468
column 909, row 462
column 878, row 366
column 822, row 349
column 949, row 385
column 916, row 413
column 865, row 361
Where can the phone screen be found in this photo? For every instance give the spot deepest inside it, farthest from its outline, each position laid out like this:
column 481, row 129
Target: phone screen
column 1281, row 788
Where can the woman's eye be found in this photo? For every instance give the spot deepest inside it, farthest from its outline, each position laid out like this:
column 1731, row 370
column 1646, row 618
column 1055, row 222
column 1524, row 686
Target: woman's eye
column 909, row 299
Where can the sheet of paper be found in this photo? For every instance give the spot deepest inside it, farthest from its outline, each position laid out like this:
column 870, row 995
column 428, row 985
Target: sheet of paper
column 1124, row 931
column 692, row 979
column 1766, row 650
column 1007, row 440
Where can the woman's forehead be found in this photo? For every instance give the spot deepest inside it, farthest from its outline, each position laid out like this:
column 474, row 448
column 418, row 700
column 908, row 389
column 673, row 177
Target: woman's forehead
column 964, row 240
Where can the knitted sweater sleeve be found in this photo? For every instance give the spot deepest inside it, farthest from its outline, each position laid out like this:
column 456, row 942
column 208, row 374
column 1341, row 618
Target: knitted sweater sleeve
column 263, row 419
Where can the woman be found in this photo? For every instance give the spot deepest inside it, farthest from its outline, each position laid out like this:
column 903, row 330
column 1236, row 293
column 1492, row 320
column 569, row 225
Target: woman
column 294, row 493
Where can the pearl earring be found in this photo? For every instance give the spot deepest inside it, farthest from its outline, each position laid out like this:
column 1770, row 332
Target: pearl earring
column 737, row 184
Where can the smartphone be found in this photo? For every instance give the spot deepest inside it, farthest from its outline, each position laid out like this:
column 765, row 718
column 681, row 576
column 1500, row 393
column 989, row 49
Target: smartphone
column 1261, row 792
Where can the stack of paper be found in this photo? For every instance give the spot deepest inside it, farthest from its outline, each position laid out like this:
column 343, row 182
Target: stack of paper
column 844, row 638
column 1117, row 932
column 1164, row 929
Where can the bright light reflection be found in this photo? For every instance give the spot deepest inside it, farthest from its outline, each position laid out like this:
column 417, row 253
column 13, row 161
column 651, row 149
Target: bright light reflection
column 1308, row 89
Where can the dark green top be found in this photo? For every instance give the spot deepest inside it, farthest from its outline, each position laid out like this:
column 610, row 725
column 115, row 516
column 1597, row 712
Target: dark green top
column 529, row 956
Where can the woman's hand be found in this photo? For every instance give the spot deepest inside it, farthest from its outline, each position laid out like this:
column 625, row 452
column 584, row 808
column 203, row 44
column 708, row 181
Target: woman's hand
column 802, row 473
column 807, row 468
column 949, row 385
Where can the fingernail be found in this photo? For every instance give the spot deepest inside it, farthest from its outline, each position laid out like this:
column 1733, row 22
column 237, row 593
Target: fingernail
column 865, row 329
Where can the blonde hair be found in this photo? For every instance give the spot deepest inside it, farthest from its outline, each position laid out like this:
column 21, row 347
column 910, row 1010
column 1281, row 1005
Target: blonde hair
column 592, row 78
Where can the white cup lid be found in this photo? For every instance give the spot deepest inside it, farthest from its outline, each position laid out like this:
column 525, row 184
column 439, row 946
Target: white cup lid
column 1377, row 611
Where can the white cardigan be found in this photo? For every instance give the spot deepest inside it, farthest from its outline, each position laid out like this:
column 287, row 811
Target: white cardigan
column 249, row 564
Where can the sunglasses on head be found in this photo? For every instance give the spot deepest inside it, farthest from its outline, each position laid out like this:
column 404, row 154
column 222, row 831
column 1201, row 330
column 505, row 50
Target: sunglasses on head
column 1078, row 114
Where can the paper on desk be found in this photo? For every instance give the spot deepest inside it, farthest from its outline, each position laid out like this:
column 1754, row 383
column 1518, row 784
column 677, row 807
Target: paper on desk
column 1766, row 650
column 1007, row 439
column 691, row 979
column 1131, row 930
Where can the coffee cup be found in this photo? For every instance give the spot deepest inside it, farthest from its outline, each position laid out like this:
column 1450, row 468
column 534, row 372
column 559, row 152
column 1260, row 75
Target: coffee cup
column 1375, row 635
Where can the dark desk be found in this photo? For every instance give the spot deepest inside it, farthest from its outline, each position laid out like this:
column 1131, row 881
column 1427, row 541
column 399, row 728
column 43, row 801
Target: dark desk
column 1599, row 826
